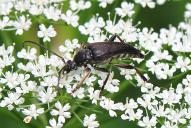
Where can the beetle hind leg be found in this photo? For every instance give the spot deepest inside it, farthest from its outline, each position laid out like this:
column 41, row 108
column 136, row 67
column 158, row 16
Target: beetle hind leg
column 126, row 66
column 104, row 83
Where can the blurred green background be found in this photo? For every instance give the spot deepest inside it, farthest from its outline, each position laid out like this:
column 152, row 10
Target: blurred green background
column 170, row 13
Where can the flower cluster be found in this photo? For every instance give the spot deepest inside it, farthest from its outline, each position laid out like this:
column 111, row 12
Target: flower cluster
column 150, row 3
column 26, row 12
column 31, row 86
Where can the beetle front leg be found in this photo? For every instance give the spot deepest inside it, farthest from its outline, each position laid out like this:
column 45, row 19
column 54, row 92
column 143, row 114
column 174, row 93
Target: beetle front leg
column 86, row 75
column 127, row 66
column 113, row 37
column 59, row 76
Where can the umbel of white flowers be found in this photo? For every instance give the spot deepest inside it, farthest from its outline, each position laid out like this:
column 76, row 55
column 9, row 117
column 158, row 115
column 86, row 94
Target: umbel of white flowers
column 37, row 75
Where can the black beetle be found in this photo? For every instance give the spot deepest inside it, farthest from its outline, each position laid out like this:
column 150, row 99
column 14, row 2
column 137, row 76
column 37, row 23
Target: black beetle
column 97, row 53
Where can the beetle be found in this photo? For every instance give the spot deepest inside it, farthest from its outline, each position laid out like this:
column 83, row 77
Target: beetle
column 97, row 53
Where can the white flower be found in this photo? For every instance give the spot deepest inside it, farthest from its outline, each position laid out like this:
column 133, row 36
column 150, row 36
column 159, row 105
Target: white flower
column 70, row 18
column 187, row 87
column 5, row 22
column 11, row 99
column 30, row 54
column 97, row 37
column 109, row 105
column 148, row 122
column 149, row 40
column 14, row 79
column 187, row 13
column 47, row 96
column 22, row 5
column 23, row 23
column 170, row 97
column 36, row 10
column 147, row 102
column 6, row 8
column 168, row 124
column 130, row 104
column 79, row 5
column 62, row 112
column 111, row 85
column 113, row 27
column 177, row 116
column 52, row 13
column 158, row 55
column 37, row 68
column 93, row 27
column 132, row 115
column 46, row 33
column 24, row 88
column 79, row 92
column 183, row 63
column 6, row 57
column 160, row 2
column 162, row 70
column 68, row 48
column 32, row 111
column 40, row 2
column 10, row 79
column 145, row 3
column 130, row 32
column 172, row 37
column 54, row 124
column 126, row 9
column 49, row 81
column 90, row 121
column 127, row 73
column 55, row 61
column 94, row 95
column 160, row 111
column 103, row 3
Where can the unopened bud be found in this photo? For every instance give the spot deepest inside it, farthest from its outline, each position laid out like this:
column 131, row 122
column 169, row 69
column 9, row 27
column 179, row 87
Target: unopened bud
column 27, row 119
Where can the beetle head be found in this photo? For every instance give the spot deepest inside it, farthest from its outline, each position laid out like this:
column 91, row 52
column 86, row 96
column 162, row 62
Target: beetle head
column 70, row 65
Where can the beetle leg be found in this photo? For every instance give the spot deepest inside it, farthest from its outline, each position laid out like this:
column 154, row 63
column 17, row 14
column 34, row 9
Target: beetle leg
column 104, row 83
column 86, row 75
column 113, row 37
column 59, row 76
column 126, row 66
column 101, row 69
column 106, row 79
column 122, row 41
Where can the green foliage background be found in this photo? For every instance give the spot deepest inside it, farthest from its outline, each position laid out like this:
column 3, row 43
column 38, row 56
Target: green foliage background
column 162, row 16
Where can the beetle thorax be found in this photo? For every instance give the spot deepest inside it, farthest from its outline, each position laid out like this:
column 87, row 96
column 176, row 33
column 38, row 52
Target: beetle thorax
column 83, row 57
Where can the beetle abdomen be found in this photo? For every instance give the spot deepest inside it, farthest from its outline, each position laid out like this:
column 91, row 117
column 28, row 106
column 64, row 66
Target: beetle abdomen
column 102, row 51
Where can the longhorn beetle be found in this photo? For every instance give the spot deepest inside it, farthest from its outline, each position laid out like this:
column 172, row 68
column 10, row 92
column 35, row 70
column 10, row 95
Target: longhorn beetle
column 97, row 53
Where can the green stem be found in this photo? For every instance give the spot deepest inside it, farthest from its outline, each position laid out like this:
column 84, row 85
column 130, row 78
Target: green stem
column 179, row 75
column 89, row 109
column 137, row 9
column 77, row 117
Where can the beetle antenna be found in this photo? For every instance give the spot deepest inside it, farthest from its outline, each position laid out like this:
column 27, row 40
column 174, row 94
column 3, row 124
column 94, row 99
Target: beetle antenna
column 32, row 42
